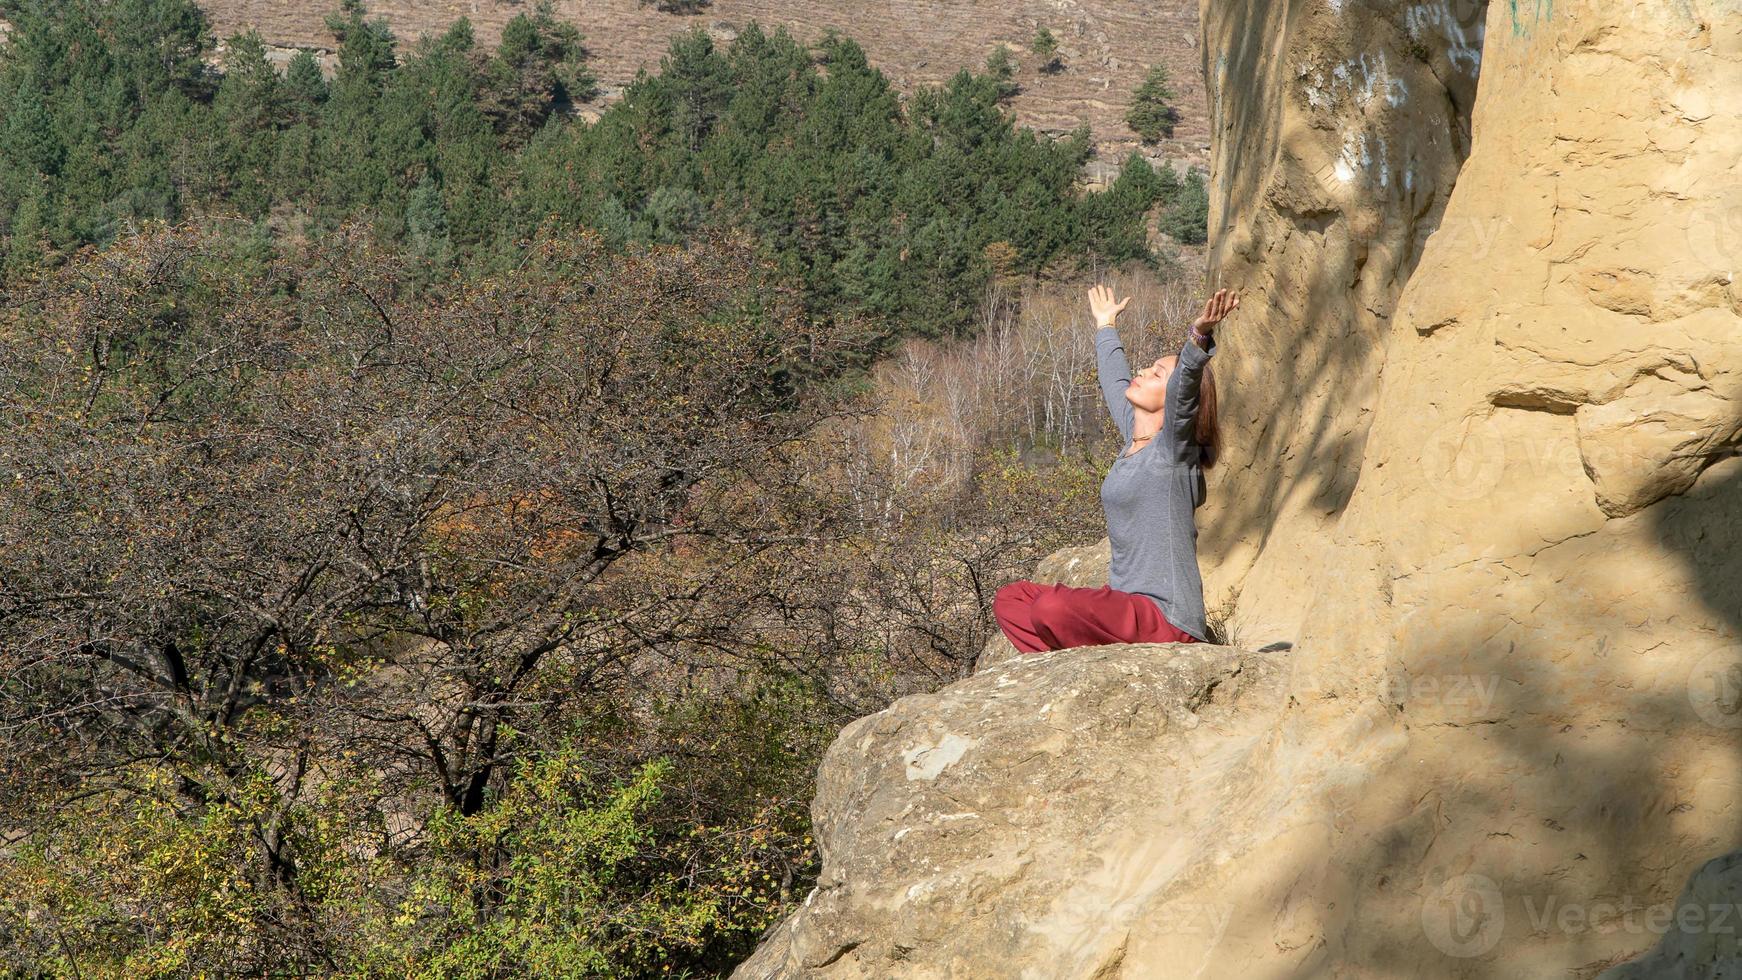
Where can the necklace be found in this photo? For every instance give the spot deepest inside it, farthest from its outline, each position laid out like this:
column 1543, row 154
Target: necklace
column 1134, row 443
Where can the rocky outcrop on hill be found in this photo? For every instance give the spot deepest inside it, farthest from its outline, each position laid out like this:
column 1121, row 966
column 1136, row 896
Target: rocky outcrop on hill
column 1481, row 473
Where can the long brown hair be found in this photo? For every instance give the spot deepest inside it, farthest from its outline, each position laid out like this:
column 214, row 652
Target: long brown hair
column 1205, row 431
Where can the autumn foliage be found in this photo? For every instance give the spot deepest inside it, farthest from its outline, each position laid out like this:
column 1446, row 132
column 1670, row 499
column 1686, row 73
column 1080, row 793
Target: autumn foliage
column 493, row 628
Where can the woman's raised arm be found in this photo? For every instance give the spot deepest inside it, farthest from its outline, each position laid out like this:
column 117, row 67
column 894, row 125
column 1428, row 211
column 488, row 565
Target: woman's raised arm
column 1110, row 358
column 1184, row 388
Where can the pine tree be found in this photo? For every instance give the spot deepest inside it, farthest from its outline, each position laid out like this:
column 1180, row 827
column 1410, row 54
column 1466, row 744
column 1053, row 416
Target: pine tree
column 304, row 89
column 1152, row 115
column 29, row 144
column 699, row 82
column 1137, row 189
column 968, row 115
column 875, row 210
column 539, row 68
column 1047, row 47
column 366, row 50
column 249, row 109
column 248, row 99
column 673, row 213
column 304, row 92
column 1001, row 68
column 614, row 220
column 160, row 45
column 772, row 80
column 436, row 95
column 1187, row 218
column 427, row 223
column 26, row 243
column 354, row 167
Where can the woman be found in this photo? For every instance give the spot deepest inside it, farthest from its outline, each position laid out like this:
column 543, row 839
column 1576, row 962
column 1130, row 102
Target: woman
column 1167, row 417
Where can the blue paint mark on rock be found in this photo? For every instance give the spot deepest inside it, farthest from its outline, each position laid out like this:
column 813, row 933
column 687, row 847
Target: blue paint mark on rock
column 1527, row 14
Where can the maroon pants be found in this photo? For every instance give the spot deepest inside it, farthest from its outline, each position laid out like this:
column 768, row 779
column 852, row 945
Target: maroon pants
column 1038, row 617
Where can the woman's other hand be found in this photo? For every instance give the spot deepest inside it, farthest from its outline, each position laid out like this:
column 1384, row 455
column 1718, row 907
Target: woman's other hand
column 1101, row 303
column 1215, row 308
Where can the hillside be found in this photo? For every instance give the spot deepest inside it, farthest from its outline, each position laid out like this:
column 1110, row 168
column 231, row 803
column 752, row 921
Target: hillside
column 1105, row 46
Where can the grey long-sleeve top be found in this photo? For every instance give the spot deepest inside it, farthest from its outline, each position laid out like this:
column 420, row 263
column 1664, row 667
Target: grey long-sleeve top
column 1150, row 496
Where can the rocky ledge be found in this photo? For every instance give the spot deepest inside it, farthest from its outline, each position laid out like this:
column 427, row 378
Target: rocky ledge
column 1022, row 820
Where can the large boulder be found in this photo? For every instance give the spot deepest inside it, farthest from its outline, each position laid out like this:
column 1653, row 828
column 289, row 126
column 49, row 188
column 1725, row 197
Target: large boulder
column 1026, row 822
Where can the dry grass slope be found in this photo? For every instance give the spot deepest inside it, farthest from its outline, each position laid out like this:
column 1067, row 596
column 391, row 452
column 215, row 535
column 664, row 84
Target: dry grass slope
column 1106, row 46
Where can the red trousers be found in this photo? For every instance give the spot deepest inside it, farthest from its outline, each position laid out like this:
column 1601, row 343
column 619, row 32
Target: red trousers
column 1038, row 617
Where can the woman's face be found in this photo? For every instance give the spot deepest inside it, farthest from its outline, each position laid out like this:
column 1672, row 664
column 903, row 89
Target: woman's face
column 1148, row 389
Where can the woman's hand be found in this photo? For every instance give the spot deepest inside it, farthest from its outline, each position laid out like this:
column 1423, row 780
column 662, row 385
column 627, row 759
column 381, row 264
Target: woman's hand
column 1215, row 308
column 1102, row 305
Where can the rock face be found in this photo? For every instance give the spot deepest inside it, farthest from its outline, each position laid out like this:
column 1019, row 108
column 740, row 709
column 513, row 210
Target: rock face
column 1482, row 410
column 1340, row 131
column 1546, row 504
column 1702, row 940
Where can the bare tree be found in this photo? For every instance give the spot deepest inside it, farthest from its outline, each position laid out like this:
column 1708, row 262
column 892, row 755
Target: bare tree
column 234, row 494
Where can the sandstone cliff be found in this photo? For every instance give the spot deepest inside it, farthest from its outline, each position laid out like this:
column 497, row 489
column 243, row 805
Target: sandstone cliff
column 1482, row 410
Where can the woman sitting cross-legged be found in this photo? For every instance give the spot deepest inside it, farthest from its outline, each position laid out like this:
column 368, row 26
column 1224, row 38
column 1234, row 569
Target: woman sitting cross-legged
column 1167, row 416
